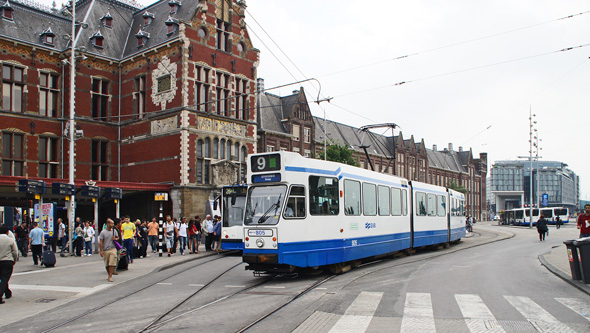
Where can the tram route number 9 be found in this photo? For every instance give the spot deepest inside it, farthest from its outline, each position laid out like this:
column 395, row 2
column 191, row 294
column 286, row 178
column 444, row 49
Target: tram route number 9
column 270, row 162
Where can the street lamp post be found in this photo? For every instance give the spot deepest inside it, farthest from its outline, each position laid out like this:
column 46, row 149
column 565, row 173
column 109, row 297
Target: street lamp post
column 531, row 124
column 72, row 202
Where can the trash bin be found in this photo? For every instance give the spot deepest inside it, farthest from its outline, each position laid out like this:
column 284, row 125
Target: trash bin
column 573, row 256
column 583, row 245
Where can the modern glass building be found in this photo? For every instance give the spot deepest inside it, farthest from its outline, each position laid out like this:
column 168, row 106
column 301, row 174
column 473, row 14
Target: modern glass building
column 510, row 184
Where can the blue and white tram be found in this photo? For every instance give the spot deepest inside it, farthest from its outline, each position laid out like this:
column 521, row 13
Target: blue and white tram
column 233, row 202
column 304, row 212
column 522, row 216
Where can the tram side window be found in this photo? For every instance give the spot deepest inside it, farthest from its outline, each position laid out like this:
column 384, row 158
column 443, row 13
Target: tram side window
column 384, row 200
column 323, row 196
column 420, row 204
column 431, row 204
column 396, row 207
column 352, row 197
column 369, row 199
column 442, row 205
column 295, row 203
column 548, row 213
column 404, row 202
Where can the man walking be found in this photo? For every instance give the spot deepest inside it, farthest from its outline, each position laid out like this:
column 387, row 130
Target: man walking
column 153, row 234
column 128, row 229
column 22, row 238
column 8, row 256
column 62, row 234
column 37, row 242
column 584, row 222
column 107, row 248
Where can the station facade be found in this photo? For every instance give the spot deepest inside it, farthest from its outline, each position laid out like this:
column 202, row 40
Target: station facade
column 166, row 100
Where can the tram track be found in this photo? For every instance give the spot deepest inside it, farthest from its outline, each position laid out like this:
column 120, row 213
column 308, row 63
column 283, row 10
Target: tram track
column 126, row 295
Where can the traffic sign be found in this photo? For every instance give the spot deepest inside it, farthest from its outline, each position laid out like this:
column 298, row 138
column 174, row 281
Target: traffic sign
column 63, row 189
column 90, row 191
column 161, row 196
column 113, row 193
column 31, row 186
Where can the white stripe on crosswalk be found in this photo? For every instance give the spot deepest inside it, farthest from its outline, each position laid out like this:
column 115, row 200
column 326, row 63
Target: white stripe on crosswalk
column 578, row 306
column 359, row 314
column 477, row 315
column 542, row 320
column 418, row 315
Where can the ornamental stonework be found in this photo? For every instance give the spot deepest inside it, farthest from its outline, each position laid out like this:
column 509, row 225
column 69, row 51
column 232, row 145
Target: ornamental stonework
column 223, row 127
column 165, row 68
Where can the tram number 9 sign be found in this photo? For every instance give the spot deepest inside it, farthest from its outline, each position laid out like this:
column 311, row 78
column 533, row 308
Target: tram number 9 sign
column 270, row 162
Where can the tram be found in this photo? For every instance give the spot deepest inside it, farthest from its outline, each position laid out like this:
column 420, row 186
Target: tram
column 303, row 213
column 232, row 204
column 521, row 216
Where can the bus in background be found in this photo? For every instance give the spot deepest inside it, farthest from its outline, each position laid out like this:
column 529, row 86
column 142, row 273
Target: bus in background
column 232, row 203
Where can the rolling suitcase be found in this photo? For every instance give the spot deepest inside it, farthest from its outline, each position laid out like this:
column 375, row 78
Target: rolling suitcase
column 123, row 262
column 48, row 258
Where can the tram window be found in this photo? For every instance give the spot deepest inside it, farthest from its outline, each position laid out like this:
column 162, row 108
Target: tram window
column 442, row 205
column 548, row 213
column 369, row 199
column 404, row 202
column 323, row 196
column 295, row 203
column 431, row 204
column 561, row 211
column 420, row 204
column 518, row 214
column 384, row 200
column 352, row 197
column 396, row 200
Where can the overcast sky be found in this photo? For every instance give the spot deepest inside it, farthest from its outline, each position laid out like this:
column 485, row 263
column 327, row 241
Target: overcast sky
column 472, row 69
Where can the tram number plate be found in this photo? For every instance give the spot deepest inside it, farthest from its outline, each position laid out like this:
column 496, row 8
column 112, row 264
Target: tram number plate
column 260, row 232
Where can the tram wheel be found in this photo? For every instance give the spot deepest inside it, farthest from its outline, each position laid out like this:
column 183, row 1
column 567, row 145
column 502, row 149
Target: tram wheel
column 339, row 268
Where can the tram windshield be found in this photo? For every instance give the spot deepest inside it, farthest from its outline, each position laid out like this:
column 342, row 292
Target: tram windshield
column 233, row 215
column 264, row 204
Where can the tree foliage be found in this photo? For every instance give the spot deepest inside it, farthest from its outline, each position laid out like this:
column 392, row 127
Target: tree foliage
column 454, row 186
column 339, row 153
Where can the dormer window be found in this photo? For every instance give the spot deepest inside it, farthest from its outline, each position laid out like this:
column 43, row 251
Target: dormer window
column 107, row 20
column 97, row 39
column 6, row 10
column 148, row 18
column 172, row 24
column 47, row 36
column 142, row 37
column 174, row 6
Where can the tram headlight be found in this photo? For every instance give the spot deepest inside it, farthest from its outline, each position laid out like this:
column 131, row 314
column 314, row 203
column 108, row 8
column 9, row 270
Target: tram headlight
column 260, row 242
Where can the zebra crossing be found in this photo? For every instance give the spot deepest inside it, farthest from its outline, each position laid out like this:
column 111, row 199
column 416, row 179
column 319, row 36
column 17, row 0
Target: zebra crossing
column 418, row 316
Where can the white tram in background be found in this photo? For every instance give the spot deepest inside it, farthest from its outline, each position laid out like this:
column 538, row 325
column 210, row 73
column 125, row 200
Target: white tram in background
column 306, row 213
column 522, row 216
column 232, row 202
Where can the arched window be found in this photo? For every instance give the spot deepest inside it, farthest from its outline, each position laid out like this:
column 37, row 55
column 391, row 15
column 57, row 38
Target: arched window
column 215, row 148
column 229, row 147
column 237, row 152
column 200, row 148
column 222, row 149
column 243, row 155
column 206, row 148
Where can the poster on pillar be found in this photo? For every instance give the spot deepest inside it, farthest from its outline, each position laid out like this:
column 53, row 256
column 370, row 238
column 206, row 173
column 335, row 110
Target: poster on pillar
column 47, row 217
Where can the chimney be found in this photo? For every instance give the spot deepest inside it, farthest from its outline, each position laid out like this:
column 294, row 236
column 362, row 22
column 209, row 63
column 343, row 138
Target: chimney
column 450, row 147
column 259, row 84
column 460, row 149
column 434, row 147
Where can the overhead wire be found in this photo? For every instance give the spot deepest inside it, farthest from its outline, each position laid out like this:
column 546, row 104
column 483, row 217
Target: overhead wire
column 400, row 83
column 453, row 44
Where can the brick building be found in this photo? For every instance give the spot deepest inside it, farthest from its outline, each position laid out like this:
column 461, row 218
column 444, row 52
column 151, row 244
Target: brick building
column 283, row 122
column 164, row 95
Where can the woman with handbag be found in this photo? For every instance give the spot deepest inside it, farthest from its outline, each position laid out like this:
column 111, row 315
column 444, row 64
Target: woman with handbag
column 88, row 236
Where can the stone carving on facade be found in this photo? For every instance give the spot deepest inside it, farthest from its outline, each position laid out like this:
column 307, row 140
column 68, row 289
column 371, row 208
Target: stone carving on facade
column 160, row 126
column 223, row 127
column 164, row 68
column 224, row 172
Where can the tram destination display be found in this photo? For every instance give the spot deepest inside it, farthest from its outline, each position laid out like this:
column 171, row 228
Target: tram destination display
column 270, row 162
